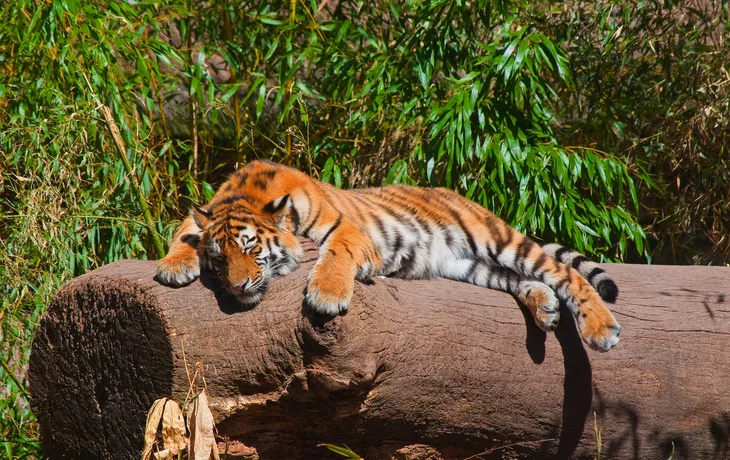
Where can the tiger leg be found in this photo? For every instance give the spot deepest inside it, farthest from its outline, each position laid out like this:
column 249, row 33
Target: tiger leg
column 597, row 325
column 535, row 295
column 345, row 254
column 181, row 265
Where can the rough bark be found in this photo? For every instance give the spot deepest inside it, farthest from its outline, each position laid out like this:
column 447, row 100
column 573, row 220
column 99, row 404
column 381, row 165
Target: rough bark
column 416, row 369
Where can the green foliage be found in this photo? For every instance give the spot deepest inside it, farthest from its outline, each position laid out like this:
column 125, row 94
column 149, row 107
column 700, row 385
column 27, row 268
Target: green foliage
column 436, row 93
column 651, row 85
column 464, row 84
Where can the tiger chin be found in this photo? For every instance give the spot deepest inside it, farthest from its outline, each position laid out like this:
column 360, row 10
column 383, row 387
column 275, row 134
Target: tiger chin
column 247, row 235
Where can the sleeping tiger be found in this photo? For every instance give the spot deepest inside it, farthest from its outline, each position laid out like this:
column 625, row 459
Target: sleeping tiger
column 248, row 232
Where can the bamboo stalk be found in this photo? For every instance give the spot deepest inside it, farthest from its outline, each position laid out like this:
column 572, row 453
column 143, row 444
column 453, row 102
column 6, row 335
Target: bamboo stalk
column 194, row 129
column 15, row 380
column 193, row 106
column 292, row 20
column 234, row 75
column 163, row 117
column 109, row 117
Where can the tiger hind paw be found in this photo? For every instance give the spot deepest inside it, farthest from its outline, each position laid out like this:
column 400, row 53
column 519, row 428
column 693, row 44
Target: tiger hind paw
column 542, row 303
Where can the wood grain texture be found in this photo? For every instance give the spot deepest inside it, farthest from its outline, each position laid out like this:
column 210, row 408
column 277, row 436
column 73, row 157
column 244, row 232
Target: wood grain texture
column 435, row 369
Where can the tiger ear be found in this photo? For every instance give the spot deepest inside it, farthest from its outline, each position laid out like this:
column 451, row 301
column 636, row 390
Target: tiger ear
column 279, row 210
column 200, row 216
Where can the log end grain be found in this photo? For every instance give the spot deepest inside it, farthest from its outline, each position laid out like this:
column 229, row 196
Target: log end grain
column 100, row 358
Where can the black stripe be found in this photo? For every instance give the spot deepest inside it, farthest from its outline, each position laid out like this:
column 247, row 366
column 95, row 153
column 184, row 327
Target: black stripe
column 448, row 237
column 216, row 226
column 453, row 202
column 562, row 283
column 276, row 241
column 398, row 243
column 578, row 260
column 231, row 199
column 411, row 222
column 242, row 178
column 523, row 249
column 502, row 243
column 314, row 221
column 539, row 262
column 492, row 254
column 239, row 212
column 421, row 223
column 260, row 183
column 559, row 253
column 236, row 217
column 276, row 205
column 511, row 278
column 469, row 236
column 476, row 211
column 407, row 263
column 333, row 228
column 294, row 220
column 268, row 244
column 595, row 272
column 406, row 194
column 347, row 248
column 472, row 269
column 381, row 227
column 268, row 174
column 392, row 213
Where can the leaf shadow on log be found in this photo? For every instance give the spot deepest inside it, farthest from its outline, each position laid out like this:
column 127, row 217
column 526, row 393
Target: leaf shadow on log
column 720, row 431
column 627, row 412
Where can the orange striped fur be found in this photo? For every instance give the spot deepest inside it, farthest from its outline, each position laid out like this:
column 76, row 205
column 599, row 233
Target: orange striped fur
column 247, row 235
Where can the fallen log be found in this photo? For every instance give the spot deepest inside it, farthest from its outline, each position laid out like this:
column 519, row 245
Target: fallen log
column 416, row 369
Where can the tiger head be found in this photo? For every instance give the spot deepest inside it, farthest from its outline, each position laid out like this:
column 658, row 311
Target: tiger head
column 247, row 248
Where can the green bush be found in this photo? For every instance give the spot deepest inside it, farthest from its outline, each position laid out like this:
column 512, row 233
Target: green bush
column 460, row 89
column 651, row 85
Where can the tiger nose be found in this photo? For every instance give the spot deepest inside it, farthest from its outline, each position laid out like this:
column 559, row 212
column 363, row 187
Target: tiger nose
column 242, row 286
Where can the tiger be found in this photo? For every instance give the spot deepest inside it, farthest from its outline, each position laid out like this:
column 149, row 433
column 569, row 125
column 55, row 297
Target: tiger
column 248, row 234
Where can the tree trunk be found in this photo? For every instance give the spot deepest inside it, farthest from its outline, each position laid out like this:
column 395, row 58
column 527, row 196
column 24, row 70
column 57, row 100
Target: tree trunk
column 417, row 369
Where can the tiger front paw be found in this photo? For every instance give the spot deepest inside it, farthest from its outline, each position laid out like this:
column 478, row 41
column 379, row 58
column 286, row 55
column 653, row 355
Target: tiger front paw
column 175, row 270
column 329, row 291
column 598, row 327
